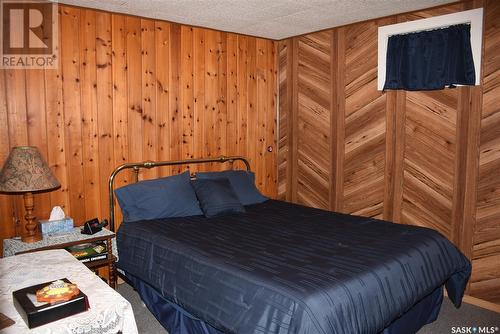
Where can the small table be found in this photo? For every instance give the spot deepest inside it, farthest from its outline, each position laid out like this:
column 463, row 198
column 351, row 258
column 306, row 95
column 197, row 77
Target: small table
column 109, row 312
column 15, row 246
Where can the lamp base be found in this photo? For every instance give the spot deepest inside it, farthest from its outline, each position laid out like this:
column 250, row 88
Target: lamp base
column 31, row 225
column 31, row 238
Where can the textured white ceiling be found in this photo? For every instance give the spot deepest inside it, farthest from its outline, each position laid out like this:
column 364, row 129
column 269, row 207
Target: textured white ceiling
column 276, row 19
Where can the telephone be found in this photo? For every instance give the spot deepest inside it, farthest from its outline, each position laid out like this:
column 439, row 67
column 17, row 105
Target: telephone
column 93, row 226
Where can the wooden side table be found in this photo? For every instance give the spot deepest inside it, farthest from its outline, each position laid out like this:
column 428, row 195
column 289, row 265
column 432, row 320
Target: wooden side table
column 15, row 246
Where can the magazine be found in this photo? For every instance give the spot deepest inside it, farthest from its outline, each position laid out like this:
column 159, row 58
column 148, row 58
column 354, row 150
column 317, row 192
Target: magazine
column 89, row 251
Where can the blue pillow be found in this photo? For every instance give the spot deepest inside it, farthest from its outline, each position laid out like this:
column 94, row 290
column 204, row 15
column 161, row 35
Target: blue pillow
column 243, row 183
column 216, row 197
column 165, row 197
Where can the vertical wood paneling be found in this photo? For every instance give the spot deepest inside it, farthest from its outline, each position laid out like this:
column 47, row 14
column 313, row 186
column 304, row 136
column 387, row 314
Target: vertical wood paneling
column 337, row 120
column 175, row 112
column 162, row 36
column 120, row 95
column 6, row 209
column 70, row 65
column 17, row 120
column 90, row 136
column 242, row 94
column 105, row 124
column 16, row 108
column 262, row 110
column 56, row 151
column 211, row 93
column 232, row 94
column 134, row 87
column 251, row 102
column 186, row 85
column 221, row 102
column 199, row 94
column 148, row 94
column 394, row 154
column 466, row 166
column 37, row 135
column 130, row 89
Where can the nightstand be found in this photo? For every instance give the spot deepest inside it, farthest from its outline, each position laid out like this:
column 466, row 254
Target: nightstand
column 60, row 241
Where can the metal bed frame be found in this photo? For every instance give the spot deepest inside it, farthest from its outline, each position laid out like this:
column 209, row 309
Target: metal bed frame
column 136, row 166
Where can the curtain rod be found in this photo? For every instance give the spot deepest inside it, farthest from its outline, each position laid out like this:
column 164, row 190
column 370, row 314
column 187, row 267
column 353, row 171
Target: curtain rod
column 430, row 29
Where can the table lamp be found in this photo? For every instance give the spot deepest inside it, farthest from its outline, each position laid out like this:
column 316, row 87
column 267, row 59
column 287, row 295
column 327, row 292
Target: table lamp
column 25, row 171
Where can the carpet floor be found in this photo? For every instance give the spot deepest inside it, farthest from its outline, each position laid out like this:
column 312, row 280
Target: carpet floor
column 466, row 316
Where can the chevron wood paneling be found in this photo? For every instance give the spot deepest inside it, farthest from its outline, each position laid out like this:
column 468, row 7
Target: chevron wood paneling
column 364, row 123
column 486, row 243
column 313, row 117
column 429, row 158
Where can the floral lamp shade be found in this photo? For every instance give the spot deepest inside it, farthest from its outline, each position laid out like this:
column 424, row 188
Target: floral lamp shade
column 26, row 171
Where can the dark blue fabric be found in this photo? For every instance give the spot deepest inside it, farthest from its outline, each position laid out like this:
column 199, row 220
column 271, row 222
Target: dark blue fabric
column 422, row 313
column 174, row 318
column 165, row 197
column 243, row 183
column 281, row 267
column 178, row 321
column 430, row 59
column 216, row 197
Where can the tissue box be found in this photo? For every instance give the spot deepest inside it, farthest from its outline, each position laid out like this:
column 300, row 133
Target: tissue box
column 56, row 226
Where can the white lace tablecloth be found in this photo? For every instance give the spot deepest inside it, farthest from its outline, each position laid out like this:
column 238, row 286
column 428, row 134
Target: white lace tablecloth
column 109, row 312
column 16, row 245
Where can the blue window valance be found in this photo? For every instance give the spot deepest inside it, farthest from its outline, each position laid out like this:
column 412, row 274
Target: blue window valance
column 430, row 60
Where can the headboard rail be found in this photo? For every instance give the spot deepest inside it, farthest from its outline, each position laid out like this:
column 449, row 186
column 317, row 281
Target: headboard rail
column 137, row 166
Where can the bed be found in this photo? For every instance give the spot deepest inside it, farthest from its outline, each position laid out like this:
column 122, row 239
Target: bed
column 280, row 267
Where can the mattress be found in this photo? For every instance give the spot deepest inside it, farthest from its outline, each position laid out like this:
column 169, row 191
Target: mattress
column 286, row 268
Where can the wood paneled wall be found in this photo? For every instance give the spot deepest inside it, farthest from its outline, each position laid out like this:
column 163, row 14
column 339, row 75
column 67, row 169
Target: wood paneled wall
column 423, row 158
column 486, row 233
column 130, row 89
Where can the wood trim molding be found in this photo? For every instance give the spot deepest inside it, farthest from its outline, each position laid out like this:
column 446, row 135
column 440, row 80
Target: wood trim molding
column 337, row 119
column 466, row 167
column 294, row 114
column 479, row 303
column 482, row 303
column 394, row 154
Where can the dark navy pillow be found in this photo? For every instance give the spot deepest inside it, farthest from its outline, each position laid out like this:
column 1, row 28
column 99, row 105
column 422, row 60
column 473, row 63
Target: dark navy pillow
column 216, row 197
column 243, row 183
column 165, row 197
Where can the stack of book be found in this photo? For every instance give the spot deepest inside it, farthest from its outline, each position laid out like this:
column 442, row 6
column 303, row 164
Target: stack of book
column 89, row 251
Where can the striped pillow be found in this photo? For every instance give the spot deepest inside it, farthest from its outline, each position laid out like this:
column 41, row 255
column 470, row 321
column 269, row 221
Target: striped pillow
column 216, row 197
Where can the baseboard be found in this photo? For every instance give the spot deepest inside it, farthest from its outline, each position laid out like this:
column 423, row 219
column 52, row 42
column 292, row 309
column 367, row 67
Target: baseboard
column 482, row 303
column 479, row 302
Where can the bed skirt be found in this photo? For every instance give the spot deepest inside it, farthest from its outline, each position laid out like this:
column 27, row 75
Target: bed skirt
column 178, row 321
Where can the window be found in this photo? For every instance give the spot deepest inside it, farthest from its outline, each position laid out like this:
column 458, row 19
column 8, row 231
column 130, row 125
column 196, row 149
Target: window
column 473, row 17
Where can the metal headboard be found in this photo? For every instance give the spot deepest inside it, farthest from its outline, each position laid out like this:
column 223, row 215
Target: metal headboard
column 136, row 166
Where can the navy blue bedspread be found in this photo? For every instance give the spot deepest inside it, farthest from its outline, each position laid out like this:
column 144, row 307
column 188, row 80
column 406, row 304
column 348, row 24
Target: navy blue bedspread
column 286, row 268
